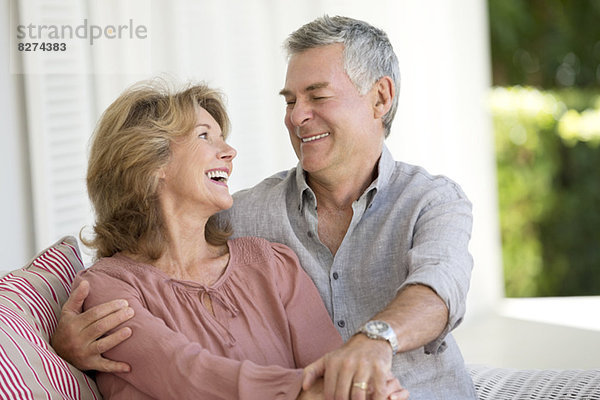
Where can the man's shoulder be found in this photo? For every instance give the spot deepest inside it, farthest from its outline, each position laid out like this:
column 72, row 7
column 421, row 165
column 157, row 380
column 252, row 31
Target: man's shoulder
column 259, row 210
column 410, row 172
column 418, row 180
column 274, row 186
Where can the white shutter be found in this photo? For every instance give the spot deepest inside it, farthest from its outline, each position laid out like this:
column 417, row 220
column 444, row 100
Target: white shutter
column 58, row 107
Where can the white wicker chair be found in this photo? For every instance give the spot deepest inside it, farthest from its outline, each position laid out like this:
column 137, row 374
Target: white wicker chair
column 514, row 384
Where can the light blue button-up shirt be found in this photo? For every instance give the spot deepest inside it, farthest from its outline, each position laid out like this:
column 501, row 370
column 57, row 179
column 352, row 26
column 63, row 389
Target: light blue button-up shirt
column 408, row 227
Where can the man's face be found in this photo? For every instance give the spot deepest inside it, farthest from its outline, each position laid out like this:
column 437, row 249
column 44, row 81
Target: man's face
column 332, row 127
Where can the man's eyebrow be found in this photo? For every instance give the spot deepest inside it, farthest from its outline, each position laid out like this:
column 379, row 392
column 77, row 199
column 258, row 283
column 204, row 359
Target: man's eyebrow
column 309, row 88
column 318, row 85
column 285, row 92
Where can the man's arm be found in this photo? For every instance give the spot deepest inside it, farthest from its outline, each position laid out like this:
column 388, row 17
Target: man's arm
column 417, row 315
column 79, row 336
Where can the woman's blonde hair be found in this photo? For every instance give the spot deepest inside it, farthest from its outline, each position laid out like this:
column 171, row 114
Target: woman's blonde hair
column 130, row 144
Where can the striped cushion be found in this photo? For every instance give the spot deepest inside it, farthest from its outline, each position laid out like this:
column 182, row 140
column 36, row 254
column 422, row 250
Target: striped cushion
column 30, row 303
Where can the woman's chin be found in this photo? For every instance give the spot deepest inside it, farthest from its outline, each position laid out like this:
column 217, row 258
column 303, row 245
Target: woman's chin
column 226, row 205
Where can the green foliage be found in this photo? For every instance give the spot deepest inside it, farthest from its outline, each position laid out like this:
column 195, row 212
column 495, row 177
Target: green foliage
column 545, row 43
column 548, row 143
column 549, row 190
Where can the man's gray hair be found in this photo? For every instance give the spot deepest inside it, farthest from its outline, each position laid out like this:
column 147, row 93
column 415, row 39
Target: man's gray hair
column 368, row 53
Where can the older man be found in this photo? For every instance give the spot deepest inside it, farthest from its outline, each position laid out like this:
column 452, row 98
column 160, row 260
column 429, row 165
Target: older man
column 384, row 242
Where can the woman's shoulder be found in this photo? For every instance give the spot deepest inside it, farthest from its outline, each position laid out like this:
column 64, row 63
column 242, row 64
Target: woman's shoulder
column 116, row 266
column 252, row 250
column 273, row 262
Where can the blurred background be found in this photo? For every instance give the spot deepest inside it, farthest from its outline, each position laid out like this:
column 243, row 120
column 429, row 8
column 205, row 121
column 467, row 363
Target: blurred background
column 500, row 95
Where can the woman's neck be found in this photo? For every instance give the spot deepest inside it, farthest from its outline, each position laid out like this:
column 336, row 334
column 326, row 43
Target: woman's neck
column 186, row 254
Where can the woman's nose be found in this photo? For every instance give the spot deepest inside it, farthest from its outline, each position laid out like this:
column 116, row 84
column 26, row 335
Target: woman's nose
column 227, row 152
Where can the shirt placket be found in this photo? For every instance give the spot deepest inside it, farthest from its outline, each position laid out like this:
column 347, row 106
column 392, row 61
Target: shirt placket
column 340, row 269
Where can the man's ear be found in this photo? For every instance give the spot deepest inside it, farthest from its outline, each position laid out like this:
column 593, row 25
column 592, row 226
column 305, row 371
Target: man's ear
column 384, row 94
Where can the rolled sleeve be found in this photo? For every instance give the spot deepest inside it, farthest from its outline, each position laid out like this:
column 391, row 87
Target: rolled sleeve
column 439, row 257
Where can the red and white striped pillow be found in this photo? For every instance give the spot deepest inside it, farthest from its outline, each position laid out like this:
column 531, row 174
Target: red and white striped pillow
column 30, row 302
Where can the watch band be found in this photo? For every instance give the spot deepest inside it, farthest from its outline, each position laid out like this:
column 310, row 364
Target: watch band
column 381, row 330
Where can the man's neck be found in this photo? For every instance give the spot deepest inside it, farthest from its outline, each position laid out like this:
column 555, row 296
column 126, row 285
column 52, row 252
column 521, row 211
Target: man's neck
column 340, row 191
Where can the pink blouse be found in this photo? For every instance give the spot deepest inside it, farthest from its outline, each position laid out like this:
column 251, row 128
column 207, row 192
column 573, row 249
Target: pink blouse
column 269, row 322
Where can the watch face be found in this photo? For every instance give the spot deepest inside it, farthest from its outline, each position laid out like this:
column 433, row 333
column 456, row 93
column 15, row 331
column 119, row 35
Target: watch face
column 377, row 327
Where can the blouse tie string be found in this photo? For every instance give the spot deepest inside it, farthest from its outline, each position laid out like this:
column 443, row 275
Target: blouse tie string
column 225, row 301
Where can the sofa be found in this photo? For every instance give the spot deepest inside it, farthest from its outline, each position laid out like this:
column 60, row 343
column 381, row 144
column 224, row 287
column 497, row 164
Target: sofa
column 31, row 299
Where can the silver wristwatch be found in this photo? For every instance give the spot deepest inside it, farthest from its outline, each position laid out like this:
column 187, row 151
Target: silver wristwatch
column 377, row 329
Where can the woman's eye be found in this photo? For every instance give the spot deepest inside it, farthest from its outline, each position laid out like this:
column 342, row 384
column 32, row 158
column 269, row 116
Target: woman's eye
column 203, row 136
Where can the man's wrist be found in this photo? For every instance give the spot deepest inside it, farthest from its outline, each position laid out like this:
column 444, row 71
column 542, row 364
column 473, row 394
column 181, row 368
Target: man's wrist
column 380, row 330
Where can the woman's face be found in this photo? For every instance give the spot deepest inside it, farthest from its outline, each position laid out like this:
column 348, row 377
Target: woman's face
column 195, row 178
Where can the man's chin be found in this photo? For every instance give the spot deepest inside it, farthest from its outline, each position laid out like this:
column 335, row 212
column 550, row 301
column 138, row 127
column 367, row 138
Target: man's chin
column 312, row 163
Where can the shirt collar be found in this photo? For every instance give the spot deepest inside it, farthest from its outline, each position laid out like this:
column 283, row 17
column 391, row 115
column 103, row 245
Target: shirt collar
column 385, row 167
column 302, row 186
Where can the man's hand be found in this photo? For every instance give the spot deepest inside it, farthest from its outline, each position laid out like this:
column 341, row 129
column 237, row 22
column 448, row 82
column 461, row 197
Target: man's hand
column 360, row 360
column 76, row 338
column 394, row 391
column 397, row 392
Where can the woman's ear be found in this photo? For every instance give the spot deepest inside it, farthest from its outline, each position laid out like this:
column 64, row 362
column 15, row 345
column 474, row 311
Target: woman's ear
column 384, row 94
column 160, row 174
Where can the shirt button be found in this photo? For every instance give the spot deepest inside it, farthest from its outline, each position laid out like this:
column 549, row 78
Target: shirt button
column 335, row 275
column 310, row 235
column 341, row 323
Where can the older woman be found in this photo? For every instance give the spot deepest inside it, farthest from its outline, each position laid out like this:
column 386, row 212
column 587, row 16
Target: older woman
column 214, row 318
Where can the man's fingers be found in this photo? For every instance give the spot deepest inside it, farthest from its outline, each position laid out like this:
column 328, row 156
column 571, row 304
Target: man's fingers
column 89, row 356
column 75, row 337
column 395, row 390
column 379, row 381
column 344, row 387
column 361, row 386
column 330, row 381
column 312, row 373
column 110, row 341
column 401, row 394
column 104, row 317
column 74, row 303
column 107, row 365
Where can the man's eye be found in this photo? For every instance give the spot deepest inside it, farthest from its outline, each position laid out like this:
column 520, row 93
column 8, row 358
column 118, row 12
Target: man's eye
column 290, row 102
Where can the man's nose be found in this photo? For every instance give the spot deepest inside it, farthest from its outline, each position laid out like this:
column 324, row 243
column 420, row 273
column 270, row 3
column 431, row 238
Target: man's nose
column 300, row 113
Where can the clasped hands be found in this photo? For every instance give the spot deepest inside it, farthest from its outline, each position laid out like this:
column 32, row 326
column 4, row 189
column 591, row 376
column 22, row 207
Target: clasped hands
column 359, row 370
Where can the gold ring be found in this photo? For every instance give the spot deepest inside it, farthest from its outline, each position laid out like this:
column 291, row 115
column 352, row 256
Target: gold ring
column 361, row 385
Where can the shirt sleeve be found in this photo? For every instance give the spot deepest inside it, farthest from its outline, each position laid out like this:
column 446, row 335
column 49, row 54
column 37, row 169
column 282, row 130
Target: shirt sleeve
column 439, row 257
column 312, row 331
column 166, row 365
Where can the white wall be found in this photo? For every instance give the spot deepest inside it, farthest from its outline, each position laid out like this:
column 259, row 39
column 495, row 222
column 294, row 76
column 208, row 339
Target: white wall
column 16, row 232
